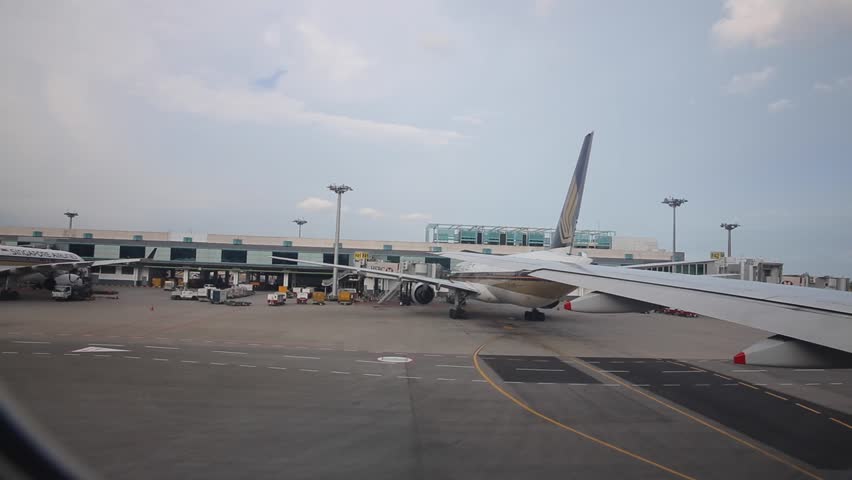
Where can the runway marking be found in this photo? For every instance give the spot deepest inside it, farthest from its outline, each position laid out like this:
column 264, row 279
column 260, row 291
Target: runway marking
column 786, row 384
column 546, row 383
column 749, row 386
column 26, row 341
column 578, row 384
column 615, row 371
column 10, row 353
column 776, row 396
column 278, row 368
column 160, row 348
column 563, row 426
column 761, row 384
column 446, row 379
column 733, row 437
column 340, row 373
column 308, row 370
column 541, row 361
column 540, row 369
column 42, row 353
column 371, row 361
column 809, row 370
column 405, row 376
column 226, row 352
column 808, row 409
column 811, row 384
column 721, row 376
column 105, row 356
column 840, row 422
column 132, row 358
column 610, row 385
column 299, row 356
column 478, row 381
column 671, row 384
column 72, row 354
column 616, row 361
column 463, row 366
column 217, row 363
column 158, row 359
column 189, row 361
column 836, row 383
column 513, row 382
column 747, row 371
column 702, row 385
column 105, row 345
column 641, row 385
column 371, row 374
column 730, row 384
column 249, row 366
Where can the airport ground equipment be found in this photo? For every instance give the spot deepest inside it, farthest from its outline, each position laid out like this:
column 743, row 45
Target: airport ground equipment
column 275, row 299
column 302, row 297
column 318, row 298
column 344, row 297
column 71, row 292
column 169, row 285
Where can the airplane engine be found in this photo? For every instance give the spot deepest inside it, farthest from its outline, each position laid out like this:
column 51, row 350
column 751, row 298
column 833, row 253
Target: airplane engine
column 597, row 302
column 423, row 293
column 64, row 279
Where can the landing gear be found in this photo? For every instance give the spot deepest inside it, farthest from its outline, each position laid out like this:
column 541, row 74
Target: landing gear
column 458, row 311
column 534, row 316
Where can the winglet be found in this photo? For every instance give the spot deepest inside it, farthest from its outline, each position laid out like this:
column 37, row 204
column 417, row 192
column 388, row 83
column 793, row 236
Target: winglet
column 567, row 224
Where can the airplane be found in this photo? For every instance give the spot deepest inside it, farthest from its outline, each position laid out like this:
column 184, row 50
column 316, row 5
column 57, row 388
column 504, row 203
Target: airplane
column 490, row 284
column 812, row 327
column 45, row 268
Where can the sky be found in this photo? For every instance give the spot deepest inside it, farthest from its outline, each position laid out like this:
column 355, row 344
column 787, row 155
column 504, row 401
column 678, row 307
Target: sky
column 233, row 117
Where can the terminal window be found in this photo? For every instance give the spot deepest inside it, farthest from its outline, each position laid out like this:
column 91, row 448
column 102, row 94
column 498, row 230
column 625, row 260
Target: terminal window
column 393, row 258
column 293, row 255
column 182, row 254
column 234, row 256
column 342, row 258
column 107, row 269
column 126, row 251
column 85, row 251
column 127, row 270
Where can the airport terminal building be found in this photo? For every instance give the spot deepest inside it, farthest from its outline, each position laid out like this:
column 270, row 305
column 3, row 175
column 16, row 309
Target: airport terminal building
column 248, row 257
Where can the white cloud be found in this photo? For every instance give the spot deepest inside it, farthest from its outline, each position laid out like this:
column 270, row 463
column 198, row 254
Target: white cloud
column 748, row 82
column 272, row 37
column 191, row 95
column 764, row 23
column 843, row 83
column 780, row 105
column 468, row 119
column 543, row 8
column 370, row 212
column 437, row 42
column 315, row 204
column 340, row 60
column 416, row 216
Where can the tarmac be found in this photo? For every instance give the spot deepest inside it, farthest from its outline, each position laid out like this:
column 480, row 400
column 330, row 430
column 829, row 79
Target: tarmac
column 143, row 386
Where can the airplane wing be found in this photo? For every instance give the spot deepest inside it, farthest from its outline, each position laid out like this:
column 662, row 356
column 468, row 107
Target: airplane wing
column 67, row 266
column 453, row 285
column 823, row 317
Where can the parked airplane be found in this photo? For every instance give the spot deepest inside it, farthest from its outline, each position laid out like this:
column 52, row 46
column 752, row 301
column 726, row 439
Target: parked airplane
column 44, row 267
column 487, row 283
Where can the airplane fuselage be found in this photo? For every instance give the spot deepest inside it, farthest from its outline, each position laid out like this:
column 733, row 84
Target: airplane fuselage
column 510, row 286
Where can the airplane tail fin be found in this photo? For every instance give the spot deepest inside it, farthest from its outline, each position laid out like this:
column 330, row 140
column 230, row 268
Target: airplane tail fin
column 567, row 224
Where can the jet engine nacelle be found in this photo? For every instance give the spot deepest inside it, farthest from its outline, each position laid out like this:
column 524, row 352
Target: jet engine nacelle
column 597, row 302
column 423, row 293
column 65, row 279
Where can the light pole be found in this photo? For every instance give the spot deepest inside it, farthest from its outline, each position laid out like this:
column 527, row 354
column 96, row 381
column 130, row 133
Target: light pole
column 674, row 203
column 729, row 227
column 300, row 222
column 71, row 216
column 339, row 190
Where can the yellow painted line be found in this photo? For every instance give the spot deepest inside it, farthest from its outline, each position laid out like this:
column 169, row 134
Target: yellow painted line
column 840, row 422
column 561, row 425
column 776, row 396
column 749, row 386
column 703, row 422
column 809, row 409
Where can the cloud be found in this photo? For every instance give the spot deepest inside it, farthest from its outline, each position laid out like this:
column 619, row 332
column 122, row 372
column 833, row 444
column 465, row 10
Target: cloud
column 370, row 212
column 191, row 95
column 780, row 105
column 437, row 43
column 468, row 119
column 416, row 216
column 543, row 8
column 765, row 23
column 271, row 81
column 843, row 83
column 272, row 37
column 315, row 204
column 340, row 60
column 748, row 82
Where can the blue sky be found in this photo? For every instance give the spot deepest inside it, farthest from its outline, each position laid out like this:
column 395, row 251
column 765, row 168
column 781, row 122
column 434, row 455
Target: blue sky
column 233, row 117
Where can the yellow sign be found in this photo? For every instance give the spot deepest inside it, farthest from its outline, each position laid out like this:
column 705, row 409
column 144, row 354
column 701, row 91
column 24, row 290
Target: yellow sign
column 361, row 256
column 717, row 255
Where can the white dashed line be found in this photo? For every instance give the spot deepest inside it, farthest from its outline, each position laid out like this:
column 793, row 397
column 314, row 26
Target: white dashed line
column 229, row 353
column 546, row 383
column 431, row 355
column 785, row 384
column 776, row 396
column 610, row 385
column 836, row 383
column 671, row 384
column 730, row 384
column 761, row 384
column 308, row 370
column 106, row 356
column 217, row 363
column 683, row 371
column 617, row 371
column 277, row 368
column 370, row 361
column 447, row 379
column 808, row 409
column 161, row 348
column 512, row 382
column 72, row 354
column 406, row 377
column 479, row 381
column 641, row 385
column 339, row 373
column 811, row 384
column 189, row 361
column 105, row 345
column 302, row 357
column 457, row 366
column 160, row 359
column 27, row 341
column 132, row 358
column 747, row 371
column 371, row 374
column 10, row 353
column 540, row 369
column 249, row 366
